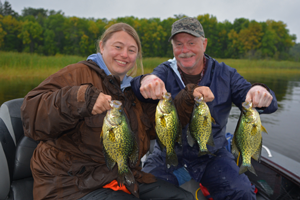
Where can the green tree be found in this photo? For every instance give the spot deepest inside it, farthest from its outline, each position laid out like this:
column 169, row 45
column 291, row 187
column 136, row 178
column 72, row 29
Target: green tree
column 2, row 32
column 34, row 12
column 240, row 23
column 74, row 29
column 11, row 27
column 31, row 34
column 95, row 30
column 7, row 10
column 233, row 44
column 295, row 52
column 210, row 26
column 49, row 42
column 250, row 39
column 55, row 22
column 1, row 9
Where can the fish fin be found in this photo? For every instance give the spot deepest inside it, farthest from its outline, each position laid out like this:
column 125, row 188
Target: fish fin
column 134, row 156
column 213, row 120
column 210, row 141
column 249, row 168
column 243, row 169
column 101, row 134
column 190, row 139
column 263, row 129
column 160, row 144
column 254, row 130
column 234, row 150
column 252, row 170
column 202, row 153
column 257, row 155
column 125, row 177
column 171, row 159
column 110, row 163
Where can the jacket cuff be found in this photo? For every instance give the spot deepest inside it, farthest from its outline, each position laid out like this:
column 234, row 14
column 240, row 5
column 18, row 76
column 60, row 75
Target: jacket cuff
column 261, row 84
column 91, row 96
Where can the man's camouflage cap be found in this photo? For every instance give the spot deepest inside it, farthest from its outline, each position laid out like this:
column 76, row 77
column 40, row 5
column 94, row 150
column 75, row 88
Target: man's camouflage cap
column 187, row 25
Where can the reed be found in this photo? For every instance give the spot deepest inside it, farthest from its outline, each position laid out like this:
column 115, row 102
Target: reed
column 23, row 65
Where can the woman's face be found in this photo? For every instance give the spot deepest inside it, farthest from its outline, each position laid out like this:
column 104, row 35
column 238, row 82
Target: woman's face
column 119, row 53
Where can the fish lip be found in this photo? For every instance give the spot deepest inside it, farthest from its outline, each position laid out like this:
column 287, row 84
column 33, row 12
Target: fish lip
column 167, row 95
column 115, row 103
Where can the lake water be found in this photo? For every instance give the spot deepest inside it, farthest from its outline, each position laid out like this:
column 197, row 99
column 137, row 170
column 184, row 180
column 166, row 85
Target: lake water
column 283, row 126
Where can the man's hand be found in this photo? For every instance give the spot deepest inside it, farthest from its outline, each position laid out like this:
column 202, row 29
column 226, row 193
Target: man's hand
column 259, row 96
column 205, row 92
column 102, row 104
column 152, row 87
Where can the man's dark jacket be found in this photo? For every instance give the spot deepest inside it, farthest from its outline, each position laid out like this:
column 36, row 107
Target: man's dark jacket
column 228, row 87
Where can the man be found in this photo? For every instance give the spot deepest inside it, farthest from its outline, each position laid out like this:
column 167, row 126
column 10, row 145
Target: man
column 191, row 74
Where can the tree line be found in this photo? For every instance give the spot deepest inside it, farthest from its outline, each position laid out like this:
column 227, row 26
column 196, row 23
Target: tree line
column 50, row 32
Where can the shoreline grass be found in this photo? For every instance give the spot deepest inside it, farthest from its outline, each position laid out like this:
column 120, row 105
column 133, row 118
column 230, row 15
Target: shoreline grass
column 26, row 66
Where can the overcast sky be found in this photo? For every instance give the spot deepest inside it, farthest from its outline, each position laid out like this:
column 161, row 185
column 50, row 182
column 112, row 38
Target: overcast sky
column 287, row 11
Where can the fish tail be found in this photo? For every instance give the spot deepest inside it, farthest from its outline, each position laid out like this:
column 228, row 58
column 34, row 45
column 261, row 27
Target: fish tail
column 171, row 159
column 125, row 177
column 210, row 141
column 133, row 157
column 202, row 153
column 245, row 168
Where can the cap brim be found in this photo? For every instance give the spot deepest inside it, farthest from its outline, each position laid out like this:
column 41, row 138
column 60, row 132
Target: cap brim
column 184, row 31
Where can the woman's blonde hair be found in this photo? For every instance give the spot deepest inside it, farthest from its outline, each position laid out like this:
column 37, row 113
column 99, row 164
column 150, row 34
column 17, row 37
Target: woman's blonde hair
column 131, row 31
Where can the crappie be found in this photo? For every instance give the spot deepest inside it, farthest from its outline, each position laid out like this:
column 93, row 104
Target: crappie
column 200, row 127
column 168, row 128
column 247, row 138
column 119, row 143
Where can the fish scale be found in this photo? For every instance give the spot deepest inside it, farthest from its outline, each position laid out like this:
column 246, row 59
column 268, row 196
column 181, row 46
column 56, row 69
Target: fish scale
column 119, row 143
column 200, row 127
column 168, row 128
column 247, row 139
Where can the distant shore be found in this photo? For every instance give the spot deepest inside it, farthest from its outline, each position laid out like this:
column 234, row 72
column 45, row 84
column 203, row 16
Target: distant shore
column 24, row 66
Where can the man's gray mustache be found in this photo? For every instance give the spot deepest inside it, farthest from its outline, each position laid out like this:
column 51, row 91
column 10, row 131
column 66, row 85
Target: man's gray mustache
column 186, row 55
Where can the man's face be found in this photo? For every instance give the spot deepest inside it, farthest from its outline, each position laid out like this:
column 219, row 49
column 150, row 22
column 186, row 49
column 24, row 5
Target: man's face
column 189, row 51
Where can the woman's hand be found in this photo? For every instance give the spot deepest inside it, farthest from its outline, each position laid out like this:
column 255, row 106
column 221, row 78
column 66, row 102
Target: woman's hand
column 102, row 104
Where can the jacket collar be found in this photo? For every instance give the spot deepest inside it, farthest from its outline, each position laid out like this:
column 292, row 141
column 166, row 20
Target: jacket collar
column 97, row 58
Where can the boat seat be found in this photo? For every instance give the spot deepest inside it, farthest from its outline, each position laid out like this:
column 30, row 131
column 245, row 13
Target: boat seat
column 16, row 181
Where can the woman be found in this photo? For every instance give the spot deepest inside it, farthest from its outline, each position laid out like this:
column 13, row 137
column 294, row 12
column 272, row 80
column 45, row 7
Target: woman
column 65, row 113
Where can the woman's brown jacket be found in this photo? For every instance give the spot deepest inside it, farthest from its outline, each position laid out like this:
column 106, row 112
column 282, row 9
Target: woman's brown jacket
column 68, row 163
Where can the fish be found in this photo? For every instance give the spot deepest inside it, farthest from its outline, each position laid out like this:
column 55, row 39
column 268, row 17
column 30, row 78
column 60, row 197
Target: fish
column 247, row 139
column 168, row 128
column 200, row 127
column 119, row 143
